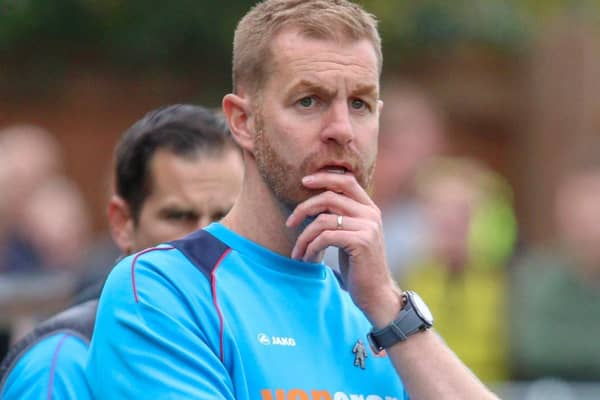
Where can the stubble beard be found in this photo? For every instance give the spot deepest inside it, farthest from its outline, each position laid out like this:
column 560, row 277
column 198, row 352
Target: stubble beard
column 285, row 180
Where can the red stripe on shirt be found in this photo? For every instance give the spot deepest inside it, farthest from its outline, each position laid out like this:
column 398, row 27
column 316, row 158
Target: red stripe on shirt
column 213, row 286
column 135, row 295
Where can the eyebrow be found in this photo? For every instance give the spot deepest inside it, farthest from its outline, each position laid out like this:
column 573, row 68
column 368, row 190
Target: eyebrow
column 368, row 90
column 168, row 209
column 305, row 85
column 312, row 86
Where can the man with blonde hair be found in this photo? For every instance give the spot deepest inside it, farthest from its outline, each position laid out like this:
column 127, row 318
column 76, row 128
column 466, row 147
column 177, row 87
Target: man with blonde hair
column 244, row 309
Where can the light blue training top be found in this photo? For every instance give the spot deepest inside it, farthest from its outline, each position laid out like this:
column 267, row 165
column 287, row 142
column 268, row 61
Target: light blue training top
column 216, row 316
column 52, row 368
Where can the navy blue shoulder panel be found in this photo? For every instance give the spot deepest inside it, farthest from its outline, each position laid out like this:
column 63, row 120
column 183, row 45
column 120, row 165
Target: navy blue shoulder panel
column 202, row 249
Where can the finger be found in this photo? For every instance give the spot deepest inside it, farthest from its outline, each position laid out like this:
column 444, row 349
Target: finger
column 339, row 183
column 330, row 203
column 324, row 222
column 326, row 202
column 325, row 239
column 363, row 240
column 356, row 237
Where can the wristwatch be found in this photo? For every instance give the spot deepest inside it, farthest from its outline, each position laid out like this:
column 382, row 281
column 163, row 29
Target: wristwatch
column 413, row 318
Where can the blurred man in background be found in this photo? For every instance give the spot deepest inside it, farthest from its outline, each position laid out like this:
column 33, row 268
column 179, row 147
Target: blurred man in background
column 30, row 156
column 471, row 231
column 411, row 133
column 56, row 222
column 176, row 170
column 556, row 290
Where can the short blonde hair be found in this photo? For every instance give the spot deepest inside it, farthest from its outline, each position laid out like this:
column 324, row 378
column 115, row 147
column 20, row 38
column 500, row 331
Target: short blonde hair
column 339, row 20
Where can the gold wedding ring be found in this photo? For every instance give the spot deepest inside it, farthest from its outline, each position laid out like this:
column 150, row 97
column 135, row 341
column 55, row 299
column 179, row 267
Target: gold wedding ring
column 340, row 222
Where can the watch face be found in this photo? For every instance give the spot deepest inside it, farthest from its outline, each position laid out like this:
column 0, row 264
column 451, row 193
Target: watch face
column 421, row 308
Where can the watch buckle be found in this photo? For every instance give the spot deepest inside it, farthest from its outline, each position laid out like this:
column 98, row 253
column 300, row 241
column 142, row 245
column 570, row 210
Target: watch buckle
column 377, row 350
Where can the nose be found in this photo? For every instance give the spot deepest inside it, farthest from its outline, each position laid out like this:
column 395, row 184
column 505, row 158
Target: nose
column 338, row 126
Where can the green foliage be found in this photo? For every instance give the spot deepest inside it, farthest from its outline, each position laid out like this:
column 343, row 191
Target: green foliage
column 183, row 34
column 127, row 33
column 175, row 32
column 44, row 26
column 410, row 27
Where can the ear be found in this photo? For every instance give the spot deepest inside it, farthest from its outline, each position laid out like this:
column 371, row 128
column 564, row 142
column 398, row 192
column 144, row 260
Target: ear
column 237, row 111
column 380, row 106
column 121, row 224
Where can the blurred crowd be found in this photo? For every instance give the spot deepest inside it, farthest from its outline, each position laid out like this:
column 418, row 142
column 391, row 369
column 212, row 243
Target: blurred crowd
column 47, row 246
column 511, row 311
column 45, row 224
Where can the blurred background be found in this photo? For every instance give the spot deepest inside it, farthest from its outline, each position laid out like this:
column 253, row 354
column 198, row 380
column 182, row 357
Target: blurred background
column 488, row 175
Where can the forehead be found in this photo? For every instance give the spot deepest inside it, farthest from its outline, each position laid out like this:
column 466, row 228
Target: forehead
column 192, row 179
column 296, row 57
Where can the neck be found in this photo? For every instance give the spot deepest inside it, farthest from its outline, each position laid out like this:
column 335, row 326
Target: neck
column 258, row 216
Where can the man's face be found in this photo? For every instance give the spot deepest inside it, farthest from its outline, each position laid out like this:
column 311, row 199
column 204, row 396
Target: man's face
column 410, row 134
column 319, row 110
column 578, row 216
column 186, row 194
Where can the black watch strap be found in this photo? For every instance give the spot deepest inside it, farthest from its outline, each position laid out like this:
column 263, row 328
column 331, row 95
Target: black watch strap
column 406, row 323
column 392, row 333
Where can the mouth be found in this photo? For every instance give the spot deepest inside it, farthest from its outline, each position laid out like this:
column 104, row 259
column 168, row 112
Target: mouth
column 337, row 168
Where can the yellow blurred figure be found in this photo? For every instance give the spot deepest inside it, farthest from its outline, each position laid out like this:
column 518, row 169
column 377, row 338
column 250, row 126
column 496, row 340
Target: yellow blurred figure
column 472, row 231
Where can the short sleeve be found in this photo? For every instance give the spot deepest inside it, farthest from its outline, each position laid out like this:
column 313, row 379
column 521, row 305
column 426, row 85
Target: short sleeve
column 157, row 332
column 53, row 368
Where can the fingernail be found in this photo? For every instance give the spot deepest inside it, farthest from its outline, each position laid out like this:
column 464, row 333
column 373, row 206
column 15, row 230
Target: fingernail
column 308, row 179
column 288, row 221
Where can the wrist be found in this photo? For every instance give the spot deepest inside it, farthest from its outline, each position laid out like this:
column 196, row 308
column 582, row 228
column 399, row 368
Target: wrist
column 387, row 307
column 413, row 317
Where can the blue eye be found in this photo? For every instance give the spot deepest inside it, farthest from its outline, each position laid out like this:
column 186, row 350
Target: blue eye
column 357, row 104
column 306, row 102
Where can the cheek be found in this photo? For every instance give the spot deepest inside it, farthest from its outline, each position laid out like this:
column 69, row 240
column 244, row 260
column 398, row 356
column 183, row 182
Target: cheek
column 287, row 128
column 370, row 156
column 366, row 136
column 280, row 136
column 178, row 232
column 166, row 232
column 152, row 231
